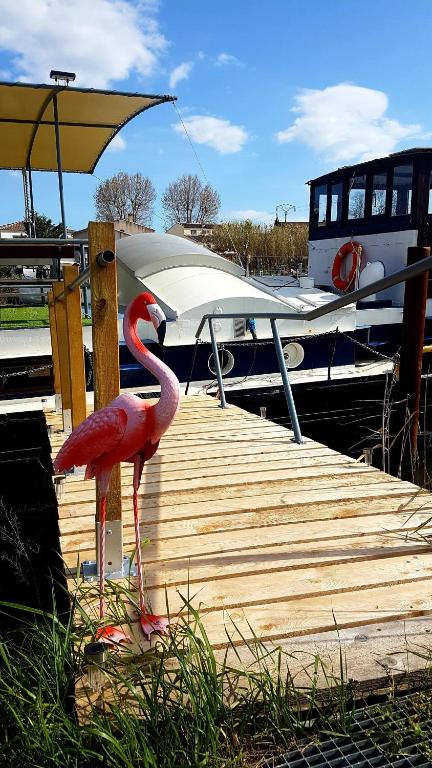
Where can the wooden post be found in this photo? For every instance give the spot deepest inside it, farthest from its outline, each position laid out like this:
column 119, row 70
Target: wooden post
column 55, row 353
column 411, row 358
column 63, row 350
column 72, row 300
column 106, row 369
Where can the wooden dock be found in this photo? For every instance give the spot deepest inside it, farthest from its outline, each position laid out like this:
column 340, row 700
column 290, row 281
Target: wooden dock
column 297, row 544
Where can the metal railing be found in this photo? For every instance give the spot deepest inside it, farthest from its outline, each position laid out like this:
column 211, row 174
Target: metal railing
column 401, row 276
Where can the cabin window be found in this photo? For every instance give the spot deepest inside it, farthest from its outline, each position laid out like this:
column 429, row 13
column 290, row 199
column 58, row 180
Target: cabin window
column 356, row 200
column 402, row 190
column 379, row 192
column 336, row 202
column 320, row 205
column 430, row 193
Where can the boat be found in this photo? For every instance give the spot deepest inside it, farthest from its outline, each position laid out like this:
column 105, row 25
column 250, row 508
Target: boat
column 362, row 221
column 383, row 207
column 190, row 281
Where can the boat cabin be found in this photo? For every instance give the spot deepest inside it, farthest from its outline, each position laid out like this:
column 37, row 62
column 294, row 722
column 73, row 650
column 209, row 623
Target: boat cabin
column 384, row 205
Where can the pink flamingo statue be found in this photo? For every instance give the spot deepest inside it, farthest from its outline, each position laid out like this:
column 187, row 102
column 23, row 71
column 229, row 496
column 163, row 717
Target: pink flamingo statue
column 128, row 429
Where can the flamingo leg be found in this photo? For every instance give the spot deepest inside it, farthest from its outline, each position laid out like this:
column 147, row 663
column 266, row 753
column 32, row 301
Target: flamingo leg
column 149, row 622
column 102, row 537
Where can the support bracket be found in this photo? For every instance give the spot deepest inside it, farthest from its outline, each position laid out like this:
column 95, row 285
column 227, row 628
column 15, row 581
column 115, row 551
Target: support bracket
column 118, row 566
column 90, row 570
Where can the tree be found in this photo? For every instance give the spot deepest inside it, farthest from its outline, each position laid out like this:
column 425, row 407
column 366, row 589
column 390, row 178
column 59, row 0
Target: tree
column 45, row 227
column 263, row 248
column 186, row 200
column 125, row 196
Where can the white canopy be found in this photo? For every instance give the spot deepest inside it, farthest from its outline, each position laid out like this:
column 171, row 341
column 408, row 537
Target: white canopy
column 189, row 281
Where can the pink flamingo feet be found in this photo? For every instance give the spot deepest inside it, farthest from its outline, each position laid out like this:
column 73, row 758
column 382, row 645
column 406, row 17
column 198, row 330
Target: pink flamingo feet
column 150, row 623
column 112, row 636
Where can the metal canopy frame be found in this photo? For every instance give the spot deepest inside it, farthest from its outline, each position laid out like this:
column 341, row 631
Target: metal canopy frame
column 58, row 123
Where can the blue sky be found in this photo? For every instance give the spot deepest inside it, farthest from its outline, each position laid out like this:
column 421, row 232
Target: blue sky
column 272, row 94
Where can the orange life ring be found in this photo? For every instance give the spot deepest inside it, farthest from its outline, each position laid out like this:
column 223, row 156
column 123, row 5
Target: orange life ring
column 344, row 284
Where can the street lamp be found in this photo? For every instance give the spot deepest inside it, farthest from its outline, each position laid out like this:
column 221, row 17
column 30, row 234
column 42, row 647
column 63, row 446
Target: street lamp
column 286, row 208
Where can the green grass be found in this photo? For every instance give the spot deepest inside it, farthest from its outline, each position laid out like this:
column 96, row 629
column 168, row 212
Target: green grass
column 26, row 317
column 176, row 706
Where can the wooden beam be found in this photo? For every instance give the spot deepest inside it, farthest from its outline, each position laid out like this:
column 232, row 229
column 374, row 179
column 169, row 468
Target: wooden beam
column 55, row 353
column 76, row 350
column 63, row 349
column 106, row 369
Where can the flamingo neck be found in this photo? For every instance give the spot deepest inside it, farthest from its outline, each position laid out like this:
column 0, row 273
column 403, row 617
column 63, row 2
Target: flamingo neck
column 167, row 406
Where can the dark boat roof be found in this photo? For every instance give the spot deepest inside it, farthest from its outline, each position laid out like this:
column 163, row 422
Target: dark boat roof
column 359, row 167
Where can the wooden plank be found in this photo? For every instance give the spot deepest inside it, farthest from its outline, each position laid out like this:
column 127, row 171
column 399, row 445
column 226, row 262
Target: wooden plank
column 166, row 533
column 378, row 657
column 250, row 590
column 392, row 600
column 226, row 449
column 106, row 370
column 320, row 614
column 63, row 347
column 270, row 504
column 280, row 558
column 220, row 486
column 76, row 347
column 199, row 469
column 54, row 353
column 227, row 434
column 307, row 534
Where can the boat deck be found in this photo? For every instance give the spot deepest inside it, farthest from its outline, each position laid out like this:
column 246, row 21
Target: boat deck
column 295, row 544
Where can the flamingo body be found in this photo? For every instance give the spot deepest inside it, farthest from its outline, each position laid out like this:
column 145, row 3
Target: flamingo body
column 128, row 429
column 123, row 430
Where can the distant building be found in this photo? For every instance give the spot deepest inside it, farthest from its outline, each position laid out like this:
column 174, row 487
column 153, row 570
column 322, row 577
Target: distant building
column 197, row 232
column 122, row 228
column 299, row 225
column 13, row 230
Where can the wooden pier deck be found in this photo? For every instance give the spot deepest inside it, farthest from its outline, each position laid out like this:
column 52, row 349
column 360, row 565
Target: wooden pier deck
column 299, row 545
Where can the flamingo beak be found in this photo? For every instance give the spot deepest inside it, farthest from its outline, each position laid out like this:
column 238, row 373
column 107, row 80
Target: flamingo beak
column 158, row 319
column 161, row 331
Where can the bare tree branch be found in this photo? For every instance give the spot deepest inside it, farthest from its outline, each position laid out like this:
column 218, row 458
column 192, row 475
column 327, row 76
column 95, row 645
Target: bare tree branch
column 186, row 200
column 125, row 195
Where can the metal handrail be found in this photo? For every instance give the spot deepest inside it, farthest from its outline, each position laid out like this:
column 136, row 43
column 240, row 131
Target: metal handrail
column 402, row 275
column 17, row 241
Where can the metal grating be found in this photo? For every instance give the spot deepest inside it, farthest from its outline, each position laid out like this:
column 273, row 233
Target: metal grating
column 379, row 736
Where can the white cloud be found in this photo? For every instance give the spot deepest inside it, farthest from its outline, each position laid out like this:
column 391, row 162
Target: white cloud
column 117, row 144
column 181, row 72
column 219, row 134
column 101, row 40
column 258, row 217
column 346, row 122
column 226, row 58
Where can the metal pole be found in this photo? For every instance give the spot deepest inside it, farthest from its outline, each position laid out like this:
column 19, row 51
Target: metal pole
column 59, row 165
column 223, row 403
column 32, row 213
column 192, row 366
column 286, row 384
column 83, row 266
